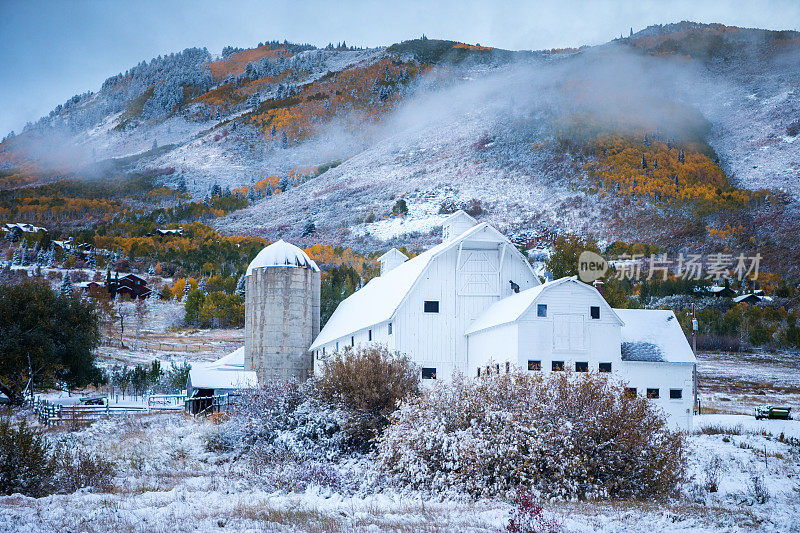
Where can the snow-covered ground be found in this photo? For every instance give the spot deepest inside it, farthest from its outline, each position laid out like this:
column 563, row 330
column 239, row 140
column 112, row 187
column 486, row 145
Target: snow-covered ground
column 168, row 481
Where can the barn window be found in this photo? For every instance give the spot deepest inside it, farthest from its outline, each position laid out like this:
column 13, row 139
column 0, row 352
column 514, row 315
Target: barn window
column 508, row 367
column 652, row 393
column 352, row 341
column 541, row 310
column 605, row 367
column 630, row 392
column 369, row 334
column 323, row 350
column 390, row 328
column 534, row 365
column 594, row 311
column 497, row 368
column 428, row 373
column 557, row 366
column 479, row 371
column 431, row 306
column 582, row 366
column 337, row 346
column 675, row 394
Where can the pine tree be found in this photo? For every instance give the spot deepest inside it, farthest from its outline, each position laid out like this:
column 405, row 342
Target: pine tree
column 202, row 285
column 66, row 285
column 240, row 286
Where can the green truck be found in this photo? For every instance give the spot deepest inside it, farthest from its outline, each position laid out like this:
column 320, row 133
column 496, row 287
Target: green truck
column 773, row 412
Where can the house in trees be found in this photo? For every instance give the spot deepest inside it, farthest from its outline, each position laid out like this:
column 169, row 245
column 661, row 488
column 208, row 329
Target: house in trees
column 472, row 305
column 131, row 286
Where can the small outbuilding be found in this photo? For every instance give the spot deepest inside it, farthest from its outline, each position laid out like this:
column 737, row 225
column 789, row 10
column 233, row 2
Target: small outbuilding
column 224, row 376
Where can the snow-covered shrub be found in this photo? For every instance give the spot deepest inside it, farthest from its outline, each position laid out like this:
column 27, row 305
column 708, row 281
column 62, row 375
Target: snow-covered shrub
column 758, row 488
column 25, row 464
column 31, row 466
column 76, row 468
column 564, row 436
column 527, row 516
column 367, row 384
column 280, row 421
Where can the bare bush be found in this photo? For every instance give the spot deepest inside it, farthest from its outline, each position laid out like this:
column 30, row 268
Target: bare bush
column 563, row 435
column 76, row 469
column 368, row 384
column 758, row 489
column 712, row 474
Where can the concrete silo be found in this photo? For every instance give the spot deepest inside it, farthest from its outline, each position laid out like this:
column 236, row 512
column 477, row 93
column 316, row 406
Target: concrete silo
column 281, row 312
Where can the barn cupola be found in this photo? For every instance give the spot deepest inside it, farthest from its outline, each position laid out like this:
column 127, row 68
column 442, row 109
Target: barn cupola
column 391, row 259
column 456, row 224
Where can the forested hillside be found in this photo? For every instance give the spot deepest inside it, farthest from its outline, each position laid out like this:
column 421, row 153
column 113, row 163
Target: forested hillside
column 690, row 123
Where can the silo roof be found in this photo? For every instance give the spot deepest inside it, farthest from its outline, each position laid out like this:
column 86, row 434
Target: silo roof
column 282, row 254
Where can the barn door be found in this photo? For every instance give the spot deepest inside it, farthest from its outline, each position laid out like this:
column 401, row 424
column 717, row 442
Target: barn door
column 561, row 332
column 478, row 273
column 569, row 333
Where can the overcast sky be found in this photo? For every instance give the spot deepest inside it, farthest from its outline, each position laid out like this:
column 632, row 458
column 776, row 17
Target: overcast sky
column 54, row 49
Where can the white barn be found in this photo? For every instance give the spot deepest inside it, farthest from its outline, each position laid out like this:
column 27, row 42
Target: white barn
column 472, row 304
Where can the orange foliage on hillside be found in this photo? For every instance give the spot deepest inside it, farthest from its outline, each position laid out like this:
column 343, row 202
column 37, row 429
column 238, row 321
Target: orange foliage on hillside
column 348, row 92
column 236, row 63
column 328, row 255
column 466, row 46
column 631, row 167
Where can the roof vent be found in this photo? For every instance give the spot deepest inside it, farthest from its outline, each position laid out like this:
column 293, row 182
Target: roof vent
column 456, row 224
column 391, row 259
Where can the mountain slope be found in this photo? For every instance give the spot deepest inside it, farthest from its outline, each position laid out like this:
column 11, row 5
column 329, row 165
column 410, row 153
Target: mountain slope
column 537, row 142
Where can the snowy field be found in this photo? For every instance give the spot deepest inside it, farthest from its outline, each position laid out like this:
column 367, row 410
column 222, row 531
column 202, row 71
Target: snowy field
column 168, row 481
column 735, row 383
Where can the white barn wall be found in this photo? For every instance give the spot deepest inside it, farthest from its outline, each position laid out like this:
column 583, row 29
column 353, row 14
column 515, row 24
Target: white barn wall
column 534, row 334
column 664, row 376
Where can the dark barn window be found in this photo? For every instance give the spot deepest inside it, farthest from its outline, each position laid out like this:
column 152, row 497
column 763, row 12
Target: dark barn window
column 431, row 306
column 652, row 393
column 675, row 394
column 605, row 367
column 541, row 310
column 595, row 312
column 557, row 366
column 581, row 367
column 630, row 392
column 534, row 365
column 428, row 373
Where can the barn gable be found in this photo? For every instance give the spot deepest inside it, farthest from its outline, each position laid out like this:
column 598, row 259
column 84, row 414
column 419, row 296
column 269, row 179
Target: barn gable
column 380, row 298
column 513, row 308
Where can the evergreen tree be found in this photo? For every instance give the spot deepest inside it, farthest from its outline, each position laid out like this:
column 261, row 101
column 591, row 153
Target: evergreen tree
column 66, row 285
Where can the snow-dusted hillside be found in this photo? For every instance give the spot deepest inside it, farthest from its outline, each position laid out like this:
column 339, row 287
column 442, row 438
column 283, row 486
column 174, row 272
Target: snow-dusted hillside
column 432, row 122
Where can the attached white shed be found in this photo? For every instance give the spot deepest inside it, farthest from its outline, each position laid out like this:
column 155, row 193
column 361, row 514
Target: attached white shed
column 224, row 375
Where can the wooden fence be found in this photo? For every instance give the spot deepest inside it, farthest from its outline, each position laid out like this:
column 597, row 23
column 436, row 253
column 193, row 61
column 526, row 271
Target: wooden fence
column 78, row 414
column 204, row 405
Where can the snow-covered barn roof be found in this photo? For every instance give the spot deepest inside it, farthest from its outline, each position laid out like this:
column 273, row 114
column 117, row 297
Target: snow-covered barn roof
column 282, row 254
column 225, row 373
column 511, row 308
column 653, row 335
column 377, row 301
